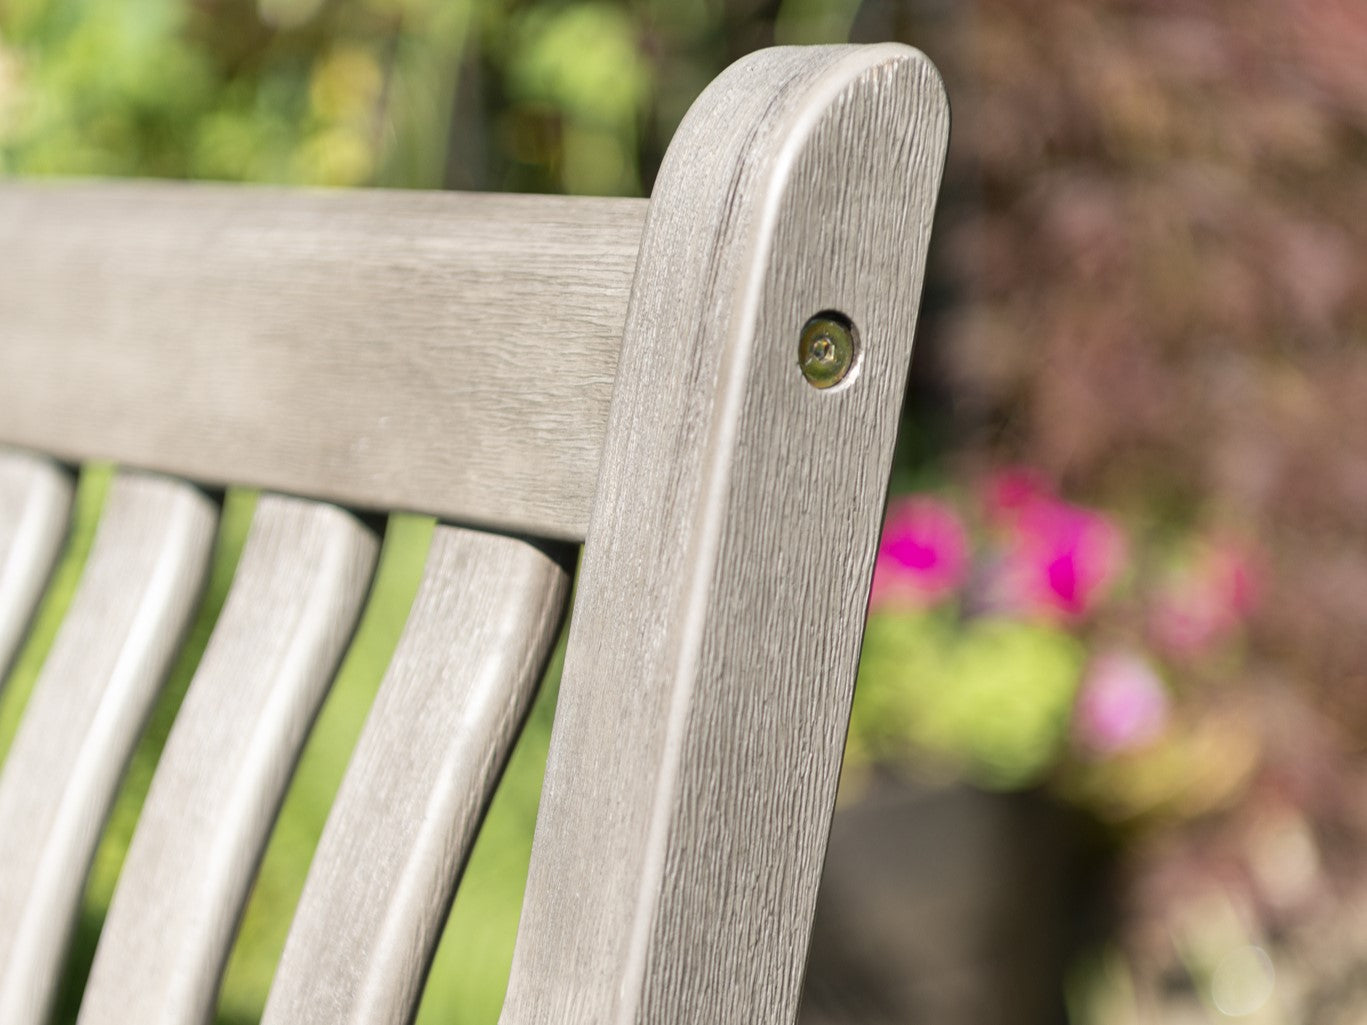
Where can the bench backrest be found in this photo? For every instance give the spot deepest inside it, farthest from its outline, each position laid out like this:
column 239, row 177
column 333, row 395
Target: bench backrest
column 535, row 372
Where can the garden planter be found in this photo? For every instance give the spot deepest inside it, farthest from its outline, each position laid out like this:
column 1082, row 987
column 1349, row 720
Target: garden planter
column 949, row 906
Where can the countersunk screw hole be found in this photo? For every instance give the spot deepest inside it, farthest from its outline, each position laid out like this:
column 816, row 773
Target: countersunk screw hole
column 827, row 349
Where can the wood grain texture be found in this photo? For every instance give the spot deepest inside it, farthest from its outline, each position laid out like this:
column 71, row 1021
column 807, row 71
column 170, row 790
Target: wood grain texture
column 381, row 884
column 716, row 632
column 35, row 510
column 441, row 353
column 290, row 611
column 135, row 598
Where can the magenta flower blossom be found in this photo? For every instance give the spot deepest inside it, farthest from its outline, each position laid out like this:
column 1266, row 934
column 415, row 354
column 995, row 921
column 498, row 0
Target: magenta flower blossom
column 923, row 556
column 1121, row 705
column 1204, row 602
column 1013, row 490
column 1059, row 560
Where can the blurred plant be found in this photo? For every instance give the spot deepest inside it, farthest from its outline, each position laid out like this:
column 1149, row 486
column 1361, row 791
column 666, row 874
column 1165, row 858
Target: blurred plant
column 1058, row 560
column 987, row 699
column 1122, row 705
column 1154, row 285
column 1152, row 281
column 1035, row 650
column 391, row 92
column 1130, row 697
column 1203, row 600
column 924, row 553
column 288, row 91
column 583, row 63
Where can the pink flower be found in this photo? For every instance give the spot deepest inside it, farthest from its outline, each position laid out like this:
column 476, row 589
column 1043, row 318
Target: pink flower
column 923, row 555
column 1060, row 560
column 1204, row 602
column 1121, row 705
column 1013, row 490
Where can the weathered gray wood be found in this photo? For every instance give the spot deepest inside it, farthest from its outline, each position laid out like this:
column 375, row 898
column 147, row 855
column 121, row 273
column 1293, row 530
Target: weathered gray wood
column 435, row 744
column 291, row 609
column 35, row 509
column 443, row 353
column 136, row 595
column 716, row 631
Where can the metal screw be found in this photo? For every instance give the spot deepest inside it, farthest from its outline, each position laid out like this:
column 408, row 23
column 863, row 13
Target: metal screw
column 826, row 350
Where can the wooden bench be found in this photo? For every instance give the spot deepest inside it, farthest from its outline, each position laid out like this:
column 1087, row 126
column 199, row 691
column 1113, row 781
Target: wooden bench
column 536, row 372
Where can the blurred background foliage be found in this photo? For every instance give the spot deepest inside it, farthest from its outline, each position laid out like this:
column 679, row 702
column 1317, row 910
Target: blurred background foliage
column 1125, row 566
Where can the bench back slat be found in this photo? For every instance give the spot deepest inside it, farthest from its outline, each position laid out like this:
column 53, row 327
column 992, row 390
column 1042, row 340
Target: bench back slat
column 35, row 508
column 446, row 716
column 290, row 612
column 139, row 588
column 442, row 353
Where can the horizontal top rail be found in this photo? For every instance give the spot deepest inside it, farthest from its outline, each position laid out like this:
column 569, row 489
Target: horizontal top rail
column 444, row 353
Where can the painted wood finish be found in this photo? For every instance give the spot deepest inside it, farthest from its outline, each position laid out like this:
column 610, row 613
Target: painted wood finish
column 725, row 578
column 444, row 353
column 35, row 509
column 440, row 732
column 290, row 612
column 135, row 599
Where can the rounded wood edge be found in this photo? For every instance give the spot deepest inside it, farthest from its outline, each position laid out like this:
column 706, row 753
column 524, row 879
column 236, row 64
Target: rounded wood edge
column 137, row 593
column 435, row 743
column 39, row 495
column 692, row 598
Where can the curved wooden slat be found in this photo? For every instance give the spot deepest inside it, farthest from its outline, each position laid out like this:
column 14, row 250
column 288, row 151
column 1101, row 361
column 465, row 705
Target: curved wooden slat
column 342, row 339
column 35, row 510
column 290, row 611
column 722, row 593
column 96, row 689
column 436, row 741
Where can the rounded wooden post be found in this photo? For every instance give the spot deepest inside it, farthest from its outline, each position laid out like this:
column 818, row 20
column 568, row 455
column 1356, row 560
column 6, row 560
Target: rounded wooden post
column 731, row 543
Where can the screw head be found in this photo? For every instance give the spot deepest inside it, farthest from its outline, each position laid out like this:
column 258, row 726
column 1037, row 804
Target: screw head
column 826, row 349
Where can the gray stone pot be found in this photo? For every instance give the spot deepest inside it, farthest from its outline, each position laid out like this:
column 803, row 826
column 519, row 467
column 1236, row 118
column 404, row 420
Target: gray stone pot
column 949, row 906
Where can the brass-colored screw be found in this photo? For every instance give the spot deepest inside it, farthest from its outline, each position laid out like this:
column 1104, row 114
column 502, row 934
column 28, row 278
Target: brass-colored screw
column 826, row 350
